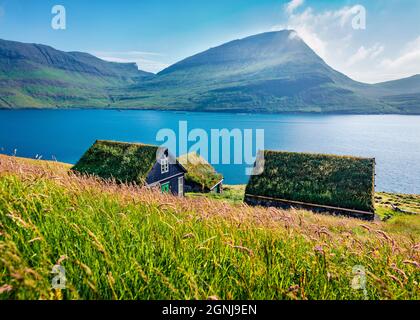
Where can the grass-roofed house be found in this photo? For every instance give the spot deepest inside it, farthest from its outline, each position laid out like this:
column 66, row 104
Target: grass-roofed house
column 318, row 182
column 200, row 176
column 142, row 164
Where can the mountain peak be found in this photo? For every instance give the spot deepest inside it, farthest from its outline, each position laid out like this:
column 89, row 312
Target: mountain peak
column 274, row 33
column 268, row 48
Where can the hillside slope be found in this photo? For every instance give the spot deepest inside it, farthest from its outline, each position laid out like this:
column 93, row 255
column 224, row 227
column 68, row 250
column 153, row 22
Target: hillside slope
column 403, row 94
column 268, row 72
column 123, row 242
column 33, row 75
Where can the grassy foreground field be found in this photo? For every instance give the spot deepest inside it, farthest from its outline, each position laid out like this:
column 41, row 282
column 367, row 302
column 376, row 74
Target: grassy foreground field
column 125, row 242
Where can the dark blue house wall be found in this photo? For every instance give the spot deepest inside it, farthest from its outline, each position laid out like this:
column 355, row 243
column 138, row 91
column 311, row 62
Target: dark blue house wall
column 175, row 171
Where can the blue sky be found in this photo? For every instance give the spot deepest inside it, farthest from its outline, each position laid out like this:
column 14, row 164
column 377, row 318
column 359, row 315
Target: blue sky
column 155, row 34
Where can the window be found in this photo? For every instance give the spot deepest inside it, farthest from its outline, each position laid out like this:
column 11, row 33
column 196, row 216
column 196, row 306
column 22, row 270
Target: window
column 165, row 188
column 180, row 186
column 164, row 165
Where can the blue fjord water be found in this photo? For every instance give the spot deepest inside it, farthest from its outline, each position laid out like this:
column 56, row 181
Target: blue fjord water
column 393, row 140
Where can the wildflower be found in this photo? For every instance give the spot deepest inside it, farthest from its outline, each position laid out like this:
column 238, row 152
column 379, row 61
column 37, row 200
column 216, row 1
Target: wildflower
column 319, row 249
column 6, row 288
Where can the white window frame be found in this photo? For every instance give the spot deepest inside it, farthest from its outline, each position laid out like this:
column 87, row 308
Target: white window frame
column 164, row 165
column 181, row 186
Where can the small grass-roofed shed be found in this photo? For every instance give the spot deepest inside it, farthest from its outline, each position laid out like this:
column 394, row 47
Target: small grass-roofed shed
column 201, row 176
column 331, row 183
column 137, row 163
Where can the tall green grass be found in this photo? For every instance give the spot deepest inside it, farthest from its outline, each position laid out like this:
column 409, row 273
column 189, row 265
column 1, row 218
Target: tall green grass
column 122, row 242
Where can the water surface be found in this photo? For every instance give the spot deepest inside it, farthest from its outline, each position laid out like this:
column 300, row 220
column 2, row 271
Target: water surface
column 65, row 134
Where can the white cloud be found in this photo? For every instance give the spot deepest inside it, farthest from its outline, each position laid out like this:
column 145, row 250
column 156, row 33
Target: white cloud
column 364, row 54
column 146, row 61
column 318, row 30
column 408, row 62
column 352, row 51
column 293, row 5
column 312, row 40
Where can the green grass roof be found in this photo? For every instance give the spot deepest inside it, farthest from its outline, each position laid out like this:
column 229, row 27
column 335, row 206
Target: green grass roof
column 199, row 171
column 125, row 162
column 340, row 181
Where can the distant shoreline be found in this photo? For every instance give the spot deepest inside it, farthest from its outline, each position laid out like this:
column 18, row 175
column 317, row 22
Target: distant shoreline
column 209, row 111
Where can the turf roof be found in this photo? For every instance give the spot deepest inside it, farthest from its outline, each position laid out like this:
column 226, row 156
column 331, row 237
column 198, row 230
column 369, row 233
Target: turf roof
column 340, row 181
column 124, row 162
column 199, row 171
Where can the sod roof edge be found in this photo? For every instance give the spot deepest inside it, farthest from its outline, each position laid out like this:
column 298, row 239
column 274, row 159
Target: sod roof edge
column 126, row 143
column 320, row 154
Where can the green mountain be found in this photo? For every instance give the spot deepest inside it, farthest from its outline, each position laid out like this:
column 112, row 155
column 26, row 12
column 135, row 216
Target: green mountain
column 403, row 94
column 406, row 85
column 268, row 72
column 33, row 75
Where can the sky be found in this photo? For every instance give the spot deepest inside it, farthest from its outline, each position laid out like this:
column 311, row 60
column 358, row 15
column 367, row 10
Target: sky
column 155, row 34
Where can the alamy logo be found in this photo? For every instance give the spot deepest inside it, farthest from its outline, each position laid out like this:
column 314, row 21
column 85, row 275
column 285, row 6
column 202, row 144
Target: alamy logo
column 58, row 22
column 359, row 20
column 359, row 279
column 59, row 281
column 223, row 146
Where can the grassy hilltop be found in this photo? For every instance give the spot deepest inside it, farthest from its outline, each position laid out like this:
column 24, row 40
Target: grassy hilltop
column 124, row 242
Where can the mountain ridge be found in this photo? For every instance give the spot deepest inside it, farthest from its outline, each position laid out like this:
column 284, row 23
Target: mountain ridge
column 47, row 55
column 36, row 75
column 269, row 72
